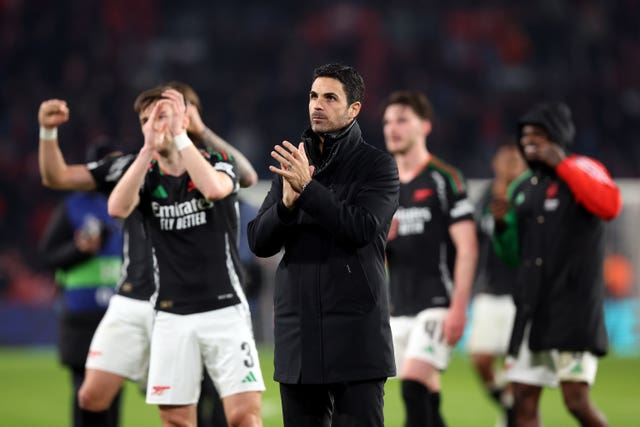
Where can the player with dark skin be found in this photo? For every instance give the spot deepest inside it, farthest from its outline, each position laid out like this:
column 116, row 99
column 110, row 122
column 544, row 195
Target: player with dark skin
column 552, row 228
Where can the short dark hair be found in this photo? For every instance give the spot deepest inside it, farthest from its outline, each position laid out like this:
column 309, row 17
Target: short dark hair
column 417, row 101
column 351, row 80
column 148, row 97
column 154, row 94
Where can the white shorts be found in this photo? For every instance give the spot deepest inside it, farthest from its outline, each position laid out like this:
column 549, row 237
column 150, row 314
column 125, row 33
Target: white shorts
column 121, row 342
column 221, row 339
column 491, row 324
column 549, row 368
column 421, row 337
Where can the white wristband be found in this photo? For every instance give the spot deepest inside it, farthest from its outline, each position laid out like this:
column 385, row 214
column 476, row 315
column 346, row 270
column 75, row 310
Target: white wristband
column 48, row 133
column 182, row 141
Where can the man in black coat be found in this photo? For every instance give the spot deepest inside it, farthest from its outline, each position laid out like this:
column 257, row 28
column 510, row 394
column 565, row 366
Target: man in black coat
column 554, row 232
column 330, row 207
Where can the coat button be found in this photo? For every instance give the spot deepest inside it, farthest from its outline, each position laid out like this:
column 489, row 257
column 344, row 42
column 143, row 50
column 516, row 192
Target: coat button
column 534, row 180
column 540, row 219
column 538, row 262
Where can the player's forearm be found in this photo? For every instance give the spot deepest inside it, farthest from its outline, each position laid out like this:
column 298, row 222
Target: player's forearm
column 466, row 244
column 464, row 271
column 50, row 161
column 125, row 196
column 247, row 175
column 212, row 184
column 56, row 174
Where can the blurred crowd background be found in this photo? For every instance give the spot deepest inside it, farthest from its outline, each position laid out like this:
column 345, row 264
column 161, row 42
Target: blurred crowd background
column 482, row 63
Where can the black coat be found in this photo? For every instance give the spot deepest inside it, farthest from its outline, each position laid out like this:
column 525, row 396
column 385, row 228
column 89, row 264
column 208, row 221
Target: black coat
column 560, row 289
column 331, row 303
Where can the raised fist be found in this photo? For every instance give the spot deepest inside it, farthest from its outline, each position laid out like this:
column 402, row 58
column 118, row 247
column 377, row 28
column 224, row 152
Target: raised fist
column 53, row 113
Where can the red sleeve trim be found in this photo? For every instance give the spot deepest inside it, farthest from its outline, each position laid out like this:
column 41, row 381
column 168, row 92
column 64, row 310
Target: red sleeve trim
column 591, row 185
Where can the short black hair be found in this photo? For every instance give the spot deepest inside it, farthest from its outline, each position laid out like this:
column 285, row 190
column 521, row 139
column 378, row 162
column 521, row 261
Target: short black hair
column 351, row 80
column 417, row 101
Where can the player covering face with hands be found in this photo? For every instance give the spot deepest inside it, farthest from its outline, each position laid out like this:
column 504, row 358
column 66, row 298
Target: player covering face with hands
column 201, row 305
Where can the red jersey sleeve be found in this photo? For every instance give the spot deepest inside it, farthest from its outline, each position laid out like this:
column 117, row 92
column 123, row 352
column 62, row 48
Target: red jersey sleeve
column 591, row 185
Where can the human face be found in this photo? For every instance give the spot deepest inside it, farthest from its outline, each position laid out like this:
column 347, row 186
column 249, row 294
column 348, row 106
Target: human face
column 328, row 108
column 403, row 128
column 162, row 122
column 533, row 140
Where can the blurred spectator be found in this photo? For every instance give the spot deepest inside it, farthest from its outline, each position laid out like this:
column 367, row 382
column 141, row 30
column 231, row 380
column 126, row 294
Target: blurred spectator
column 84, row 246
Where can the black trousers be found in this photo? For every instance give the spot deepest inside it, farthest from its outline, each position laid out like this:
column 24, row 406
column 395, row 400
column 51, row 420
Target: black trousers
column 351, row 404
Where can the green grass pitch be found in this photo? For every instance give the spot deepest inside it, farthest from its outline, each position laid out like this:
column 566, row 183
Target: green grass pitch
column 35, row 392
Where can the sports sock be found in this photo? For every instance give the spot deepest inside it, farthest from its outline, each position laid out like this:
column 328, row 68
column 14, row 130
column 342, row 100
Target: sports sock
column 438, row 421
column 496, row 394
column 417, row 404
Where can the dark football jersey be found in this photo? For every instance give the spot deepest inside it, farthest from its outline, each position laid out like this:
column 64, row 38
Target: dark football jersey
column 421, row 257
column 137, row 268
column 194, row 240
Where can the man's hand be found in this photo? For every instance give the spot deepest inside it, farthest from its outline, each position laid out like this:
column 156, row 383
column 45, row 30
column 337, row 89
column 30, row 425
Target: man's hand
column 178, row 120
column 155, row 128
column 294, row 165
column 53, row 113
column 550, row 154
column 196, row 125
column 454, row 325
column 499, row 207
column 289, row 195
column 294, row 170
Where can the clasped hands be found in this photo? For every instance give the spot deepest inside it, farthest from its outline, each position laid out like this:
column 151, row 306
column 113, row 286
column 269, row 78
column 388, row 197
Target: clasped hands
column 294, row 169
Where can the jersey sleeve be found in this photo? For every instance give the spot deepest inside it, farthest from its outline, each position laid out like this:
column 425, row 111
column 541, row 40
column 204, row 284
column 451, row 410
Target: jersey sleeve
column 107, row 172
column 459, row 206
column 223, row 162
column 591, row 185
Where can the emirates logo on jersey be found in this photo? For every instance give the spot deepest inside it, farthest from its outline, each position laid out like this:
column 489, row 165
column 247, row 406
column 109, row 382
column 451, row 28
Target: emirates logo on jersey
column 422, row 194
column 412, row 220
column 180, row 216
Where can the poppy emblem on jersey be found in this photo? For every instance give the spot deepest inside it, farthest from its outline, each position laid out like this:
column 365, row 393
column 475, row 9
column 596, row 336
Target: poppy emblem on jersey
column 159, row 389
column 552, row 190
column 191, row 186
column 422, row 194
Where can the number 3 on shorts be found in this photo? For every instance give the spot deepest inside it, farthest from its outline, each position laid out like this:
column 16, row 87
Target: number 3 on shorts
column 248, row 362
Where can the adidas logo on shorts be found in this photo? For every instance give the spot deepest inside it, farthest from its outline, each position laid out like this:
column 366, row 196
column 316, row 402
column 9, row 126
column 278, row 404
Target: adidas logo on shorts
column 250, row 378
